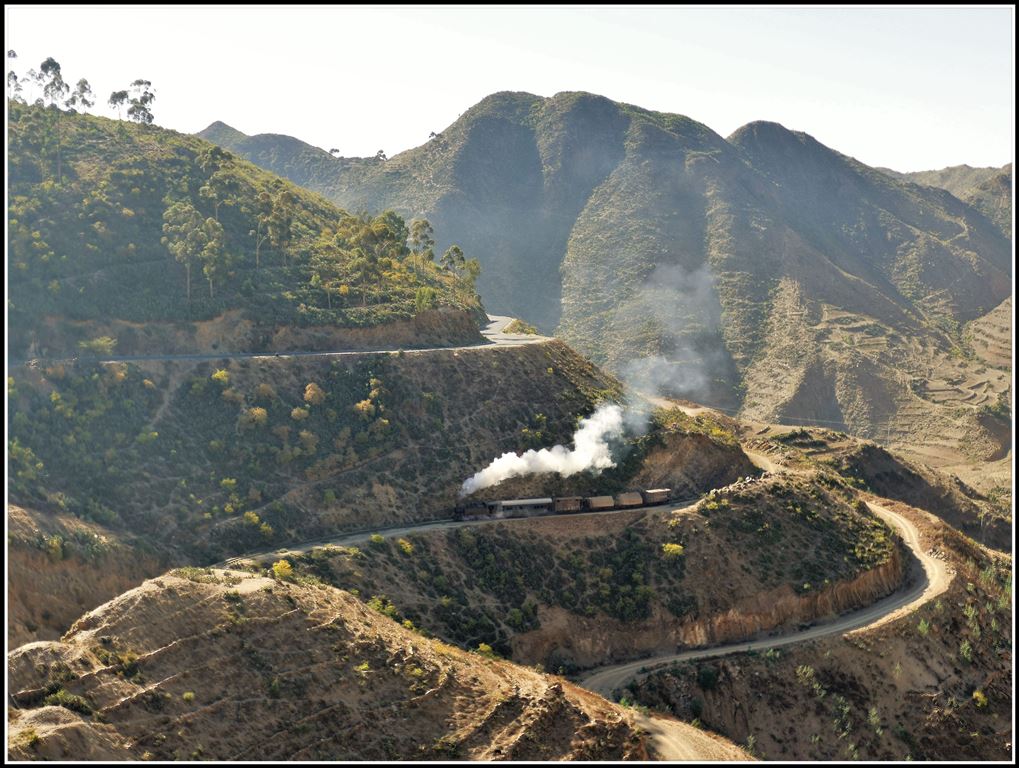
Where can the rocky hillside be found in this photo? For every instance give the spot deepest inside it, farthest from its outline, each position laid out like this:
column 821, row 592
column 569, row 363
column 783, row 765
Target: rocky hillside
column 575, row 592
column 763, row 272
column 989, row 190
column 226, row 666
column 983, row 514
column 935, row 684
column 60, row 566
column 160, row 242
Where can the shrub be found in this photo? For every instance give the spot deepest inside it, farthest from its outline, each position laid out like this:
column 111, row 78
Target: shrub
column 672, row 551
column 980, row 698
column 283, row 570
column 707, row 678
column 966, row 650
column 253, row 417
column 68, row 701
column 188, row 696
column 103, row 345
column 405, row 546
column 376, row 540
column 484, row 649
column 314, row 395
column 221, row 377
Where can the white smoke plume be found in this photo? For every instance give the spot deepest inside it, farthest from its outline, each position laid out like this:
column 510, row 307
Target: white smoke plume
column 591, row 452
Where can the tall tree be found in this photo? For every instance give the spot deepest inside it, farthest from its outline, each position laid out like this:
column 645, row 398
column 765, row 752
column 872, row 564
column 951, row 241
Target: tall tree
column 13, row 83
column 365, row 267
column 54, row 89
column 117, row 100
column 281, row 222
column 219, row 189
column 262, row 216
column 453, row 259
column 82, row 96
column 326, row 264
column 184, row 236
column 421, row 241
column 215, row 258
column 141, row 97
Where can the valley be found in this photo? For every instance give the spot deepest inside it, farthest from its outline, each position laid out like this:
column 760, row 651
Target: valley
column 259, row 401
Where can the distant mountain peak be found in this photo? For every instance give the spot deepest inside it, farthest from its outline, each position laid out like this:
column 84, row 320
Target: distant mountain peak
column 219, row 132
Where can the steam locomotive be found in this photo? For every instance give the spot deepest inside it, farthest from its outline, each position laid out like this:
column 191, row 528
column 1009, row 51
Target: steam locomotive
column 559, row 505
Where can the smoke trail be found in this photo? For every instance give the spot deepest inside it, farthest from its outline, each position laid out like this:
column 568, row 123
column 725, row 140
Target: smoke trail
column 591, row 451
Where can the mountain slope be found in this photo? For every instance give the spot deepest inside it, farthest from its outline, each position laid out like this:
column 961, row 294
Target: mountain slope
column 223, row 665
column 989, row 190
column 763, row 272
column 89, row 255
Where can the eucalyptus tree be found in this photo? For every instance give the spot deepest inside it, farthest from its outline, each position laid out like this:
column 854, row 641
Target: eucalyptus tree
column 81, row 96
column 54, row 89
column 184, row 236
column 141, row 97
column 421, row 241
column 117, row 100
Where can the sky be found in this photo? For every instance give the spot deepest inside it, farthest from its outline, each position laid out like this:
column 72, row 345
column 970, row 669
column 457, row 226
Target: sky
column 906, row 88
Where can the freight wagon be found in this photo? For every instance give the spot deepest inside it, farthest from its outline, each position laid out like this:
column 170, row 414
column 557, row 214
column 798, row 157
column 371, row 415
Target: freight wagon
column 560, row 505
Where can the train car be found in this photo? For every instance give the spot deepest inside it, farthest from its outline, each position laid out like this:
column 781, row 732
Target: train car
column 657, row 496
column 566, row 504
column 525, row 507
column 599, row 503
column 629, row 499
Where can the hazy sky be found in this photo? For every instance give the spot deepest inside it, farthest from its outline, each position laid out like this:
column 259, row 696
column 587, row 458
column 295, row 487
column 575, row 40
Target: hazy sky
column 908, row 88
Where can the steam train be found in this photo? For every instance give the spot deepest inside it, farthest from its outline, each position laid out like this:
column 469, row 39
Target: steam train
column 559, row 505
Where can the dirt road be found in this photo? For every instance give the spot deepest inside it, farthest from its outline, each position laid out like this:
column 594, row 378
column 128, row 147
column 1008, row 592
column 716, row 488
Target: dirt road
column 933, row 580
column 493, row 334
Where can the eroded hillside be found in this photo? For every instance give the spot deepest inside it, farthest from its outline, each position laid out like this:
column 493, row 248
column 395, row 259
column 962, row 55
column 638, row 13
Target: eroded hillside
column 933, row 685
column 60, row 566
column 227, row 666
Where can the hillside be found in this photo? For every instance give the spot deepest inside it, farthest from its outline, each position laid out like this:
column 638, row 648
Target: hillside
column 935, row 684
column 59, row 566
column 581, row 591
column 983, row 514
column 989, row 190
column 164, row 242
column 223, row 665
column 213, row 459
column 764, row 272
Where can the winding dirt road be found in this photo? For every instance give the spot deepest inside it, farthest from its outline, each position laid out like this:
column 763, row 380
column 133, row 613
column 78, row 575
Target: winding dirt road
column 932, row 580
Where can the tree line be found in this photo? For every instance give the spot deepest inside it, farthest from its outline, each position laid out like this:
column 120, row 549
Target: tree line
column 46, row 87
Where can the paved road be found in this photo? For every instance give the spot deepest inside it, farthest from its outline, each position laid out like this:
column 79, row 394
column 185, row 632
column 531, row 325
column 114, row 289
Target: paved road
column 934, row 580
column 493, row 333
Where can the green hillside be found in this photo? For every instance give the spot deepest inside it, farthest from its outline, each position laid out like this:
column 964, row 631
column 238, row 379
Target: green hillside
column 89, row 198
